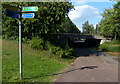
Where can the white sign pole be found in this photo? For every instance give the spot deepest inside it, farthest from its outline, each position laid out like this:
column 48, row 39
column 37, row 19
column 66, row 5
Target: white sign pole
column 20, row 44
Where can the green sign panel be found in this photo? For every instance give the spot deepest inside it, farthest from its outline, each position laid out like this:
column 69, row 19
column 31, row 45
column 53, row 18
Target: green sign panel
column 30, row 8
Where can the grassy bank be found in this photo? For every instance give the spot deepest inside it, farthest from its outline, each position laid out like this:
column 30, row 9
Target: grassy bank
column 112, row 46
column 38, row 66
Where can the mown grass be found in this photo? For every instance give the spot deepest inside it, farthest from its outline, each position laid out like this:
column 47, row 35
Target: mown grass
column 113, row 46
column 38, row 66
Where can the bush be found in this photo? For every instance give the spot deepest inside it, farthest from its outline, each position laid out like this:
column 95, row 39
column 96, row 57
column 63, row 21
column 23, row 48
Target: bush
column 112, row 46
column 113, row 42
column 4, row 37
column 36, row 43
column 54, row 49
column 25, row 40
column 10, row 38
column 40, row 44
column 68, row 52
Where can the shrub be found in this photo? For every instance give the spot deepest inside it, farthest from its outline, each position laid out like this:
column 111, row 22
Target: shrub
column 4, row 37
column 40, row 44
column 68, row 52
column 36, row 43
column 112, row 46
column 54, row 49
column 25, row 40
column 10, row 38
column 113, row 42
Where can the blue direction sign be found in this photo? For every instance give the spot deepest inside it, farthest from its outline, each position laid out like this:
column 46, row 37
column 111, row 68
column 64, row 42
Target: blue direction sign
column 28, row 15
column 10, row 13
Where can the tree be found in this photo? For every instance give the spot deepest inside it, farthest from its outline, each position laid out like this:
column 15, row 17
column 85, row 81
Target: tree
column 106, row 24
column 87, row 28
column 69, row 27
column 117, row 20
column 109, row 25
column 49, row 18
column 91, row 29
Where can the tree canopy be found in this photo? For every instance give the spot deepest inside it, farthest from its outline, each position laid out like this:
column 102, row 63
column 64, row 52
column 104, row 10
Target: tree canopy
column 110, row 24
column 50, row 18
column 87, row 28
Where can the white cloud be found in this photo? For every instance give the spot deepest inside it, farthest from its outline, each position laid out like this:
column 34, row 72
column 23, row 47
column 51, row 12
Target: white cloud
column 83, row 12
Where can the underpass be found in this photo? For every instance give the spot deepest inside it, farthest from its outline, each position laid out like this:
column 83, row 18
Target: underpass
column 90, row 65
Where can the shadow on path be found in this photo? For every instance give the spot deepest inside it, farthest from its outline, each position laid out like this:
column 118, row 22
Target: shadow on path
column 84, row 52
column 81, row 68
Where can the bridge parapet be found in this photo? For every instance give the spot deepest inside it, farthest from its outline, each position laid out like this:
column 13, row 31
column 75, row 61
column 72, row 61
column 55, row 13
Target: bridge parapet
column 103, row 40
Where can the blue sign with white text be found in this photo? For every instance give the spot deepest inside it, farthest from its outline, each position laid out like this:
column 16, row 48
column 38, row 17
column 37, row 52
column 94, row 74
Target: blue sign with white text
column 10, row 13
column 28, row 15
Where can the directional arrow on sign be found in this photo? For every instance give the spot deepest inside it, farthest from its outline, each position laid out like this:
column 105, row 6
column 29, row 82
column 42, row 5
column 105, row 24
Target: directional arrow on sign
column 28, row 15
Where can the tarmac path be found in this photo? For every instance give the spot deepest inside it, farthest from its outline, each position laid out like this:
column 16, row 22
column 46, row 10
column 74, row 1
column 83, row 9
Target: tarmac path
column 88, row 67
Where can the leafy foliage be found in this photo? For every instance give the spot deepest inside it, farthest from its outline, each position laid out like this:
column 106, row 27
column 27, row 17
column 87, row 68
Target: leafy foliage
column 69, row 27
column 87, row 28
column 112, row 46
column 40, row 44
column 109, row 25
column 49, row 19
column 37, row 43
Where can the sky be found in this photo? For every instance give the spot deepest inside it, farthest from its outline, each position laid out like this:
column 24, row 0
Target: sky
column 88, row 10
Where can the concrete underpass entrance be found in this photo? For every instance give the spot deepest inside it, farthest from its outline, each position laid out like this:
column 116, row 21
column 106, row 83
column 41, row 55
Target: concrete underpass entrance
column 75, row 40
column 84, row 41
column 88, row 43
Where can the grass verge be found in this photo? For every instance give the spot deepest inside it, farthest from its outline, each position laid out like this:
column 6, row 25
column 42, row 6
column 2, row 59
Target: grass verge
column 113, row 46
column 38, row 66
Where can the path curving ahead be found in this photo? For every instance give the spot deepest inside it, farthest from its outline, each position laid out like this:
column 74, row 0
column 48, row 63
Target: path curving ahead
column 88, row 67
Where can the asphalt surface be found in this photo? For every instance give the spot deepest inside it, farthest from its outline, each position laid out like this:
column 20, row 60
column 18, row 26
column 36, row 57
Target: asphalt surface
column 90, row 66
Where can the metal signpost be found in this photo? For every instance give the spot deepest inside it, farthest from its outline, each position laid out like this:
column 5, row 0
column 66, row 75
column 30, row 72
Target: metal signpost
column 20, row 43
column 16, row 12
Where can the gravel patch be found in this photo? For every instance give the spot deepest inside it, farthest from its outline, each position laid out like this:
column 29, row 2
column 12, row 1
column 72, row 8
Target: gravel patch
column 111, row 60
